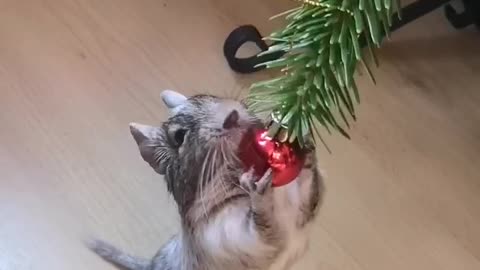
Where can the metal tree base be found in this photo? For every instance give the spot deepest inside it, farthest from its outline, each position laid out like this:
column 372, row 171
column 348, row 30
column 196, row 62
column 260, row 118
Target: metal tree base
column 471, row 14
column 249, row 33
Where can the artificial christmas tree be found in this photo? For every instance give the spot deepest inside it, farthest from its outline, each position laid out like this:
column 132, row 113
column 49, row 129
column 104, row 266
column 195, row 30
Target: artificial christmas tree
column 317, row 53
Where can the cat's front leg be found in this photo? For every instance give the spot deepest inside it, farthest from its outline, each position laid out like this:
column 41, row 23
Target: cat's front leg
column 311, row 188
column 261, row 217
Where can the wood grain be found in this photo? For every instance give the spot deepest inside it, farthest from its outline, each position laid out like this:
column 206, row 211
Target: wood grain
column 404, row 193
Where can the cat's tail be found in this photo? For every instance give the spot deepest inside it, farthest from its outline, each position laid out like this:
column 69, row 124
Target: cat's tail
column 117, row 257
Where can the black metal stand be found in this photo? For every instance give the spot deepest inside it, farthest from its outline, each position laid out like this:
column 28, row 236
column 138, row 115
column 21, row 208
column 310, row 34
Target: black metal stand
column 248, row 33
column 471, row 14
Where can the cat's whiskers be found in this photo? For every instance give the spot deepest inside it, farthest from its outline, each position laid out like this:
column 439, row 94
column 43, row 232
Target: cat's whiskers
column 222, row 180
column 202, row 180
column 213, row 168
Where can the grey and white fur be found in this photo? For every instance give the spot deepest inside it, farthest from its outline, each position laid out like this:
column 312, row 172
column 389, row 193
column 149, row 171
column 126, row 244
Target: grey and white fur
column 229, row 220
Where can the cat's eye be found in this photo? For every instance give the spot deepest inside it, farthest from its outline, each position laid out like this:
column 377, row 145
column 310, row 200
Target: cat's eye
column 179, row 136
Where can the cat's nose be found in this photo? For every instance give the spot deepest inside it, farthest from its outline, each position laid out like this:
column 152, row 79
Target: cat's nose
column 231, row 120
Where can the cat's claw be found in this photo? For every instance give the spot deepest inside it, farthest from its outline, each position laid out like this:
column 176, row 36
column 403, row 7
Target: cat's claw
column 250, row 183
column 264, row 183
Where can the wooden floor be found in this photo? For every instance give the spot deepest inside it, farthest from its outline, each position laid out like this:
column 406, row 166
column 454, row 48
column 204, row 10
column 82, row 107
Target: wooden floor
column 404, row 193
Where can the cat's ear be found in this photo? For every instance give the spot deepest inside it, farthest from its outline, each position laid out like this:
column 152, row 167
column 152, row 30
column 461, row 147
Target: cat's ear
column 152, row 143
column 172, row 99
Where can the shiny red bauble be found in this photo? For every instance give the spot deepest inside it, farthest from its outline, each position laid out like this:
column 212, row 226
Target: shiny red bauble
column 261, row 152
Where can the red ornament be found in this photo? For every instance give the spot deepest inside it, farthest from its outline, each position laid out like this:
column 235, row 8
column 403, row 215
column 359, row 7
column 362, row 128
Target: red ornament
column 262, row 152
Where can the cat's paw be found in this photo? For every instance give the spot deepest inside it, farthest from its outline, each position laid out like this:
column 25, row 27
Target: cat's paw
column 265, row 183
column 250, row 182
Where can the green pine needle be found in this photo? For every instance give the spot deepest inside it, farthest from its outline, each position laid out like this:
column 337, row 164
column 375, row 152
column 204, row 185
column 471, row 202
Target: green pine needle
column 322, row 49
